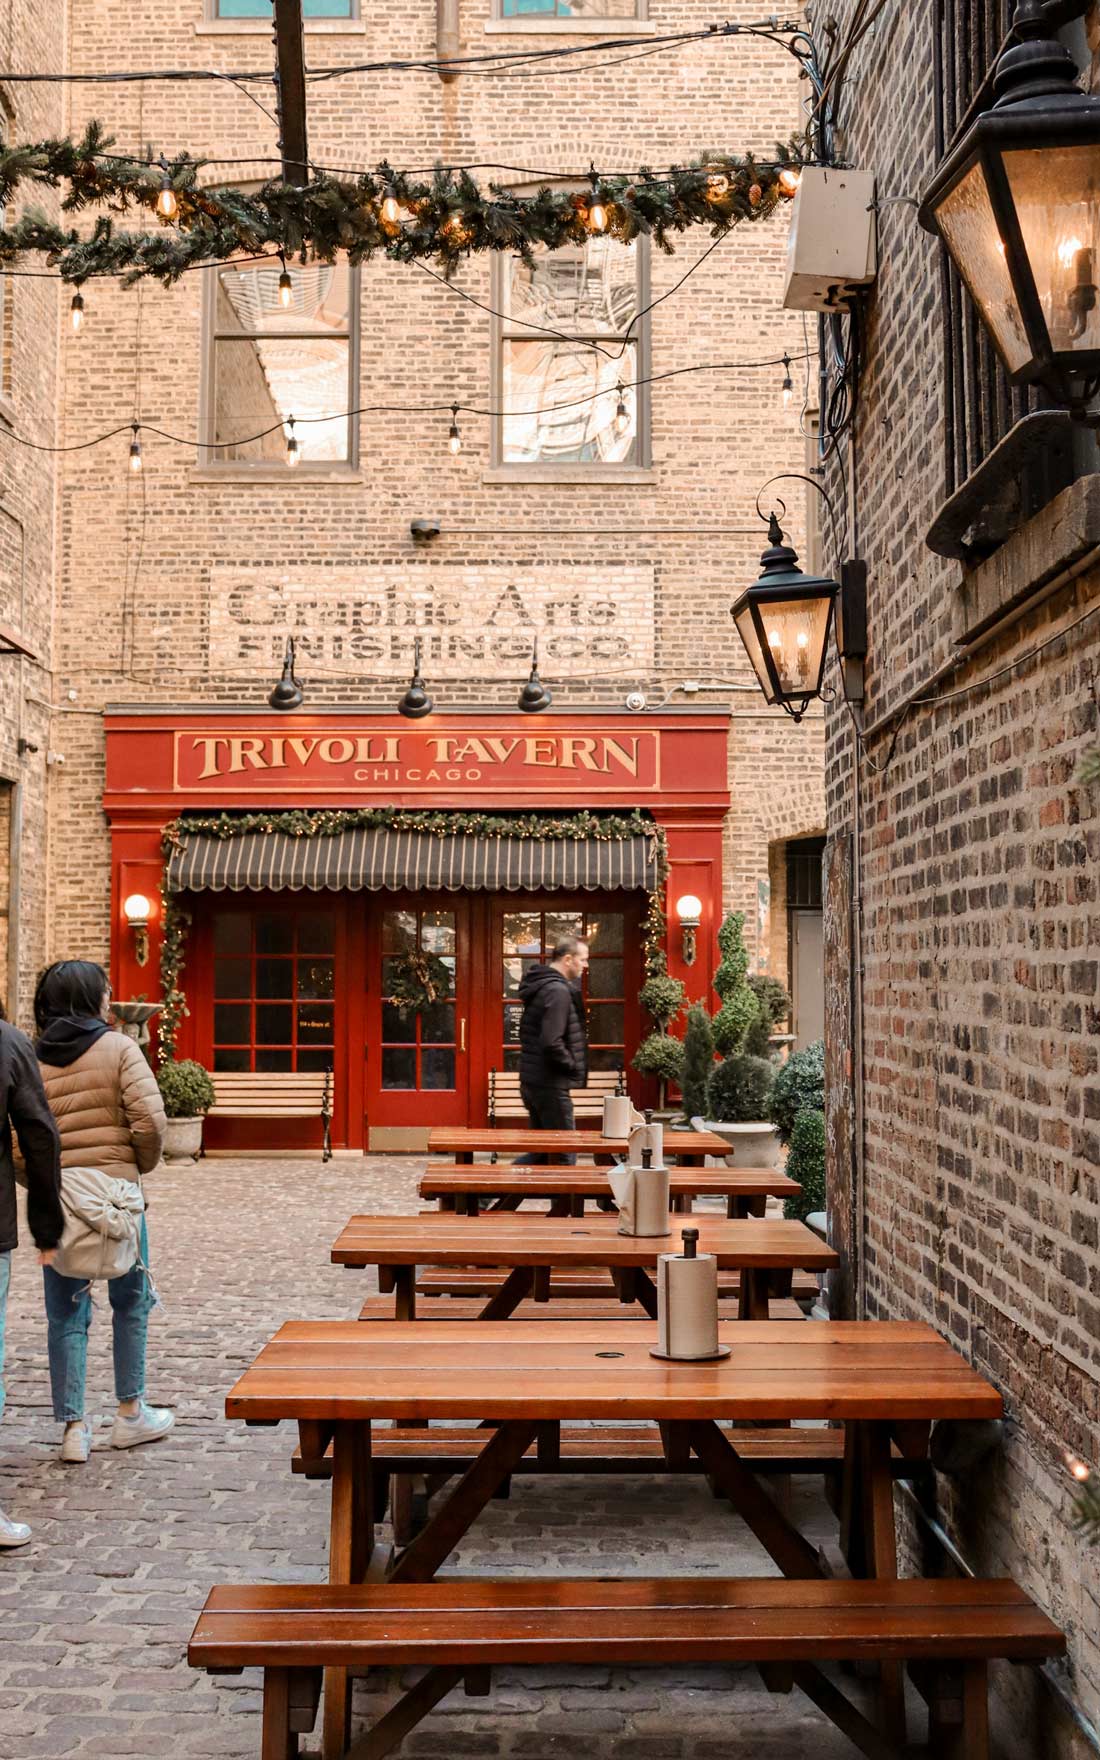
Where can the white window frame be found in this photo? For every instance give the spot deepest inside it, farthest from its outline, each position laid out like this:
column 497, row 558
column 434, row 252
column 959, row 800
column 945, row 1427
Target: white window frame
column 640, row 470
column 636, row 24
column 213, row 24
column 210, row 460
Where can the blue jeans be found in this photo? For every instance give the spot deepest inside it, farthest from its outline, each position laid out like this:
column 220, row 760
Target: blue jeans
column 5, row 1279
column 69, row 1315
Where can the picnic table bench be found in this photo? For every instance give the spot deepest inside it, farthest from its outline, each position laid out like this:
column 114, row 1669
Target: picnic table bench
column 459, row 1186
column 884, row 1382
column 579, row 1283
column 458, row 1631
column 764, row 1252
column 466, row 1141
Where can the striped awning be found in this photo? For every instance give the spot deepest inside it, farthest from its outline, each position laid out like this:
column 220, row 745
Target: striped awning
column 395, row 861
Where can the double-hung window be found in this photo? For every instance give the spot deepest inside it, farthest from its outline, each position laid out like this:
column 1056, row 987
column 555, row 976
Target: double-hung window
column 261, row 9
column 559, row 10
column 570, row 347
column 267, row 362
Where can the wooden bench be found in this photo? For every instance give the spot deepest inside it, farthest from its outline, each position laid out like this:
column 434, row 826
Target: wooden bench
column 579, row 1284
column 506, row 1102
column 576, row 1308
column 276, row 1094
column 458, row 1630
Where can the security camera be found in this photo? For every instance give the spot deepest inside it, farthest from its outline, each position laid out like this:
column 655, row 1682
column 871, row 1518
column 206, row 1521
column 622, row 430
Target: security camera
column 424, row 529
column 635, row 702
column 55, row 758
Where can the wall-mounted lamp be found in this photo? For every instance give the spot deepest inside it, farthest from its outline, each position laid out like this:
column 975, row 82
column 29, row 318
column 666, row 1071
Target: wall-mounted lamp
column 1017, row 203
column 416, row 703
column 137, row 911
column 783, row 620
column 534, row 697
column 689, row 910
column 288, row 693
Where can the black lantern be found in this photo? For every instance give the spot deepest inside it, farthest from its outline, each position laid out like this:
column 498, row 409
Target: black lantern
column 287, row 694
column 784, row 623
column 416, row 703
column 1017, row 203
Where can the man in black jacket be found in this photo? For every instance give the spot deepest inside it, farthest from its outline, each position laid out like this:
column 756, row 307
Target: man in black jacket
column 553, row 1038
column 23, row 1104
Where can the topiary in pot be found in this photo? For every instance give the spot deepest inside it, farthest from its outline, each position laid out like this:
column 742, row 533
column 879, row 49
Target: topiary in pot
column 799, row 1087
column 739, row 1089
column 662, row 998
column 806, row 1164
column 740, row 1008
column 662, row 1057
column 188, row 1094
column 698, row 1060
column 773, row 1006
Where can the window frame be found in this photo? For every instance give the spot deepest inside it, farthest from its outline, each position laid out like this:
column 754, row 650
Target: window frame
column 531, row 22
column 503, row 330
column 211, row 17
column 266, row 469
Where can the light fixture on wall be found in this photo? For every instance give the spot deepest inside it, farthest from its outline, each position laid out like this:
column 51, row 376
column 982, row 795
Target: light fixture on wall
column 288, row 693
column 137, row 910
column 534, row 697
column 1017, row 204
column 689, row 910
column 783, row 621
column 416, row 702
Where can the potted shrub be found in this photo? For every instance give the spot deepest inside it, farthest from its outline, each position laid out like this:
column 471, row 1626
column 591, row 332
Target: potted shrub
column 661, row 1056
column 806, row 1164
column 799, row 1087
column 188, row 1095
column 698, row 1060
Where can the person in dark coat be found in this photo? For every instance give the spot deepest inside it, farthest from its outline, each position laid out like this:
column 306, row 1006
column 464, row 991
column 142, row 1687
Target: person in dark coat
column 25, row 1107
column 553, row 1038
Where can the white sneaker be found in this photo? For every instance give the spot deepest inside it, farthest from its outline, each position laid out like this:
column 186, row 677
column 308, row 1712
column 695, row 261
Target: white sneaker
column 148, row 1424
column 13, row 1533
column 76, row 1443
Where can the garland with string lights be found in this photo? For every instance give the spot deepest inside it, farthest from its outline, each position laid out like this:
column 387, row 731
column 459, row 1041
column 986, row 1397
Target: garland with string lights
column 330, row 821
column 381, row 213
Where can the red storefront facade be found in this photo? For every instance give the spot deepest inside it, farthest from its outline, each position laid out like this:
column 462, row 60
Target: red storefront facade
column 295, row 978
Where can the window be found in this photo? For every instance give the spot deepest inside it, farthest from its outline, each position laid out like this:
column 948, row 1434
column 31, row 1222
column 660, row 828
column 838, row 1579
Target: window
column 528, row 939
column 418, row 1044
column 560, row 395
column 274, row 990
column 567, row 9
column 262, row 9
column 266, row 362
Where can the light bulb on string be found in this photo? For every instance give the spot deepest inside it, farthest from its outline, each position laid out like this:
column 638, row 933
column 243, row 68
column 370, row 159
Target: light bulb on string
column 789, row 179
column 454, row 438
column 293, row 450
column 391, row 207
column 286, row 287
column 622, row 414
column 135, row 448
column 76, row 312
column 788, row 382
column 597, row 212
column 167, row 202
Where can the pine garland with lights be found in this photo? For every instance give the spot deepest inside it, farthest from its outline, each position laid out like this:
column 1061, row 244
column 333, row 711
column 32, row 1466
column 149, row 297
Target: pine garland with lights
column 328, row 821
column 381, row 213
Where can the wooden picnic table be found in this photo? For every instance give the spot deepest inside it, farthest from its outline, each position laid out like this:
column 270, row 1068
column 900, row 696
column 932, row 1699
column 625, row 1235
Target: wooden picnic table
column 884, row 1381
column 458, row 1186
column 529, row 1247
column 466, row 1141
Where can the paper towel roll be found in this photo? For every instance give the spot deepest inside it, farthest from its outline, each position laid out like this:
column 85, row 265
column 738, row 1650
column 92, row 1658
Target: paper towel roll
column 618, row 1115
column 646, row 1136
column 687, row 1307
column 643, row 1197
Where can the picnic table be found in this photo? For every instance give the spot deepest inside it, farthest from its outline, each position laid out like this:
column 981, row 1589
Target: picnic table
column 458, row 1186
column 466, row 1141
column 884, row 1381
column 529, row 1247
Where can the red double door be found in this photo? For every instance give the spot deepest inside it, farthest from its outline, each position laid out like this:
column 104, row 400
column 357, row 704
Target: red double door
column 290, row 981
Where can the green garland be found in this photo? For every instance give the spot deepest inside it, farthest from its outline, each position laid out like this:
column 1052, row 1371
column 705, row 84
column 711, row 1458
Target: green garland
column 446, row 218
column 327, row 821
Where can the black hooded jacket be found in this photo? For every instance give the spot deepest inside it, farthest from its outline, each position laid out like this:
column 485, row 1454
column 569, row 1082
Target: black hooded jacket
column 23, row 1104
column 553, row 1037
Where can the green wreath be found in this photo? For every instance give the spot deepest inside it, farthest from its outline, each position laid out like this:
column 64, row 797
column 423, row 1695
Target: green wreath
column 417, row 980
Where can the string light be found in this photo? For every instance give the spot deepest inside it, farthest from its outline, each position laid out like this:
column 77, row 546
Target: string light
column 1079, row 1469
column 76, row 312
column 597, row 212
column 167, row 204
column 622, row 414
column 391, row 207
column 135, row 448
column 788, row 181
column 286, row 287
column 454, row 438
column 788, row 382
column 293, row 450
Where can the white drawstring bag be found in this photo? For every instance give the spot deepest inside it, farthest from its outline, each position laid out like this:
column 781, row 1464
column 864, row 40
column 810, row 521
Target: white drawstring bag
column 102, row 1224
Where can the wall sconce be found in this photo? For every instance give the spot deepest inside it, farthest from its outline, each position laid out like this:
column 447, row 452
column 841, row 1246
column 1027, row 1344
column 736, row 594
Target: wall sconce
column 783, row 621
column 689, row 909
column 137, row 911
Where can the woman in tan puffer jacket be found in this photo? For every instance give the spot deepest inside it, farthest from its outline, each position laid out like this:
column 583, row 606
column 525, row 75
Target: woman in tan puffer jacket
column 109, row 1113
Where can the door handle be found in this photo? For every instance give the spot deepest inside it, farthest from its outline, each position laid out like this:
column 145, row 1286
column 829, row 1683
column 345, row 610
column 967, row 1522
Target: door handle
column 462, row 1034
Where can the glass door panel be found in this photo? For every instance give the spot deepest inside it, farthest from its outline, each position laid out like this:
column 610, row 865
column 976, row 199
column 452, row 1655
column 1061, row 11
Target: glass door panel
column 416, row 1052
column 526, row 937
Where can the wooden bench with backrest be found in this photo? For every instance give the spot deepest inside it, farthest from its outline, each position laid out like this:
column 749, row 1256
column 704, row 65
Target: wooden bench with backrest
column 276, row 1094
column 457, row 1631
column 506, row 1102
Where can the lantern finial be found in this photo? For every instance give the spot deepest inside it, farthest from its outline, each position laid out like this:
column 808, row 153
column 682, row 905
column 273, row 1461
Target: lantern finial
column 1037, row 66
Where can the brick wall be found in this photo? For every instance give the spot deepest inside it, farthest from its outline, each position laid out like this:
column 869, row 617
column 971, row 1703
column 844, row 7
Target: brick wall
column 980, row 914
column 147, row 567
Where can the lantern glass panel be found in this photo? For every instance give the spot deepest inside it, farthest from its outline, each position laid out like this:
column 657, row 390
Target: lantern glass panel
column 796, row 631
column 746, row 629
column 970, row 230
column 1057, row 196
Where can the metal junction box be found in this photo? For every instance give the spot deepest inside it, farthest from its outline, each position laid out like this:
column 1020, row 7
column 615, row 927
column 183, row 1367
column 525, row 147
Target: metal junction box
column 831, row 251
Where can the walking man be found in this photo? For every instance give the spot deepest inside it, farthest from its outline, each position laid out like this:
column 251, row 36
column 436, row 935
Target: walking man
column 23, row 1104
column 553, row 1039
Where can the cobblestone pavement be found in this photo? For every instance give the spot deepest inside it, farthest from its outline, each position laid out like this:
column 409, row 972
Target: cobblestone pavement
column 96, row 1613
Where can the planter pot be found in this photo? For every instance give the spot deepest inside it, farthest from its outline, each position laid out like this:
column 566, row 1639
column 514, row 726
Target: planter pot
column 751, row 1145
column 183, row 1139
